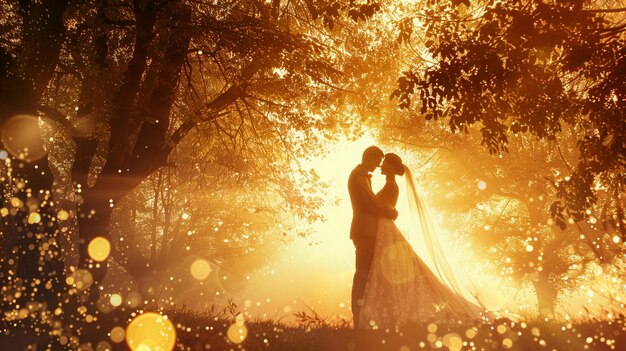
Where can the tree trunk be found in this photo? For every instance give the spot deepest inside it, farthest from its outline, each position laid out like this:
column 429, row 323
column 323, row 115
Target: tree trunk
column 155, row 220
column 546, row 297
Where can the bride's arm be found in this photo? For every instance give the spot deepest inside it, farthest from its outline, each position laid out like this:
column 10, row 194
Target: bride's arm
column 372, row 203
column 388, row 195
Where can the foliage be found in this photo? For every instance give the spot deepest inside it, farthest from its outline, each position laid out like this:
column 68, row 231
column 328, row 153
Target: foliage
column 496, row 208
column 532, row 67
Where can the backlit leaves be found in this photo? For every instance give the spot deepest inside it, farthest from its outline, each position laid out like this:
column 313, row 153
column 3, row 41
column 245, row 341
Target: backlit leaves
column 530, row 67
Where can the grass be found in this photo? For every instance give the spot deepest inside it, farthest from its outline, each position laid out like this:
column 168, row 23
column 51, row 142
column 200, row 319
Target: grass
column 217, row 329
column 209, row 331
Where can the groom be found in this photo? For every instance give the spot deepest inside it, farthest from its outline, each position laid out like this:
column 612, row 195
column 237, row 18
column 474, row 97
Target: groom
column 365, row 212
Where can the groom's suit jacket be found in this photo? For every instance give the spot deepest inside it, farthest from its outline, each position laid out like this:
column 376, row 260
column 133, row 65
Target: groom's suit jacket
column 365, row 207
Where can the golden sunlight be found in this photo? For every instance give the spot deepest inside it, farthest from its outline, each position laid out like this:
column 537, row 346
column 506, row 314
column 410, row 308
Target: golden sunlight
column 314, row 272
column 184, row 175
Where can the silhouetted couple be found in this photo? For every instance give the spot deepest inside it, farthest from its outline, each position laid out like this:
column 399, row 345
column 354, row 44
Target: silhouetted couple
column 393, row 285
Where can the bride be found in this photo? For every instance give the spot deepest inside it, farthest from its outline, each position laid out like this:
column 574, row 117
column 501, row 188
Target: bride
column 400, row 286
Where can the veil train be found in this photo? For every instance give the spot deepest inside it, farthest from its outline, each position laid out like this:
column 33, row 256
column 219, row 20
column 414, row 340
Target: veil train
column 424, row 237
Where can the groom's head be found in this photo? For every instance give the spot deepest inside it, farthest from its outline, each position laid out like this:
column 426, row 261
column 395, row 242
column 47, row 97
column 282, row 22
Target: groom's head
column 372, row 156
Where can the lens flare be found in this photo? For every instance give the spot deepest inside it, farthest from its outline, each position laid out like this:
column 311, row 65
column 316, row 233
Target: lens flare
column 151, row 331
column 99, row 249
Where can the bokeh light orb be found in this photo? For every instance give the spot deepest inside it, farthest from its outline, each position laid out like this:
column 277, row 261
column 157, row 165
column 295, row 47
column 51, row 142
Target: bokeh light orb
column 396, row 273
column 117, row 334
column 63, row 215
column 81, row 279
column 471, row 333
column 104, row 304
column 21, row 137
column 151, row 331
column 237, row 333
column 115, row 300
column 507, row 343
column 34, row 218
column 16, row 202
column 104, row 346
column 453, row 342
column 99, row 249
column 200, row 269
column 133, row 299
column 482, row 185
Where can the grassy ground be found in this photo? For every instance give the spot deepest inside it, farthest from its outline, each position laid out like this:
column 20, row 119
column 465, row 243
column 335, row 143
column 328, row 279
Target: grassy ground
column 209, row 331
column 225, row 330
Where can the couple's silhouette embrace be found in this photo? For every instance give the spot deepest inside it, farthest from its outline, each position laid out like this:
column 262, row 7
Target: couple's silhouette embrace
column 393, row 285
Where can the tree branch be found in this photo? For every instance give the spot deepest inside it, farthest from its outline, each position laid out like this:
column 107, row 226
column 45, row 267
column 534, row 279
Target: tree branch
column 57, row 116
column 618, row 9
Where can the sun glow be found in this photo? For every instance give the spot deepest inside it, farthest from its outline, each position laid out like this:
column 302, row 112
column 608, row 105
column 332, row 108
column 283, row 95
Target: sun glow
column 317, row 272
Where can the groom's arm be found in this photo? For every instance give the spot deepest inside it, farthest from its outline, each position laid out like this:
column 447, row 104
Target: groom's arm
column 371, row 202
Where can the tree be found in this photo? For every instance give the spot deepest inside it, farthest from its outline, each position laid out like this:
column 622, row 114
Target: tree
column 176, row 217
column 121, row 85
column 532, row 67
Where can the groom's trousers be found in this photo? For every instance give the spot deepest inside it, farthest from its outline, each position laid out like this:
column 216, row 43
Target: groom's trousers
column 364, row 254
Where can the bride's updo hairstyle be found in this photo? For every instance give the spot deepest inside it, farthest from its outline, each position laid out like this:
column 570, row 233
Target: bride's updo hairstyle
column 396, row 163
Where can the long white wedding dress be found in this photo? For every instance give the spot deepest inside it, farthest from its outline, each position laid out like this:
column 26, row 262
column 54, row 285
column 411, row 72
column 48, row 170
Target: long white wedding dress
column 401, row 288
